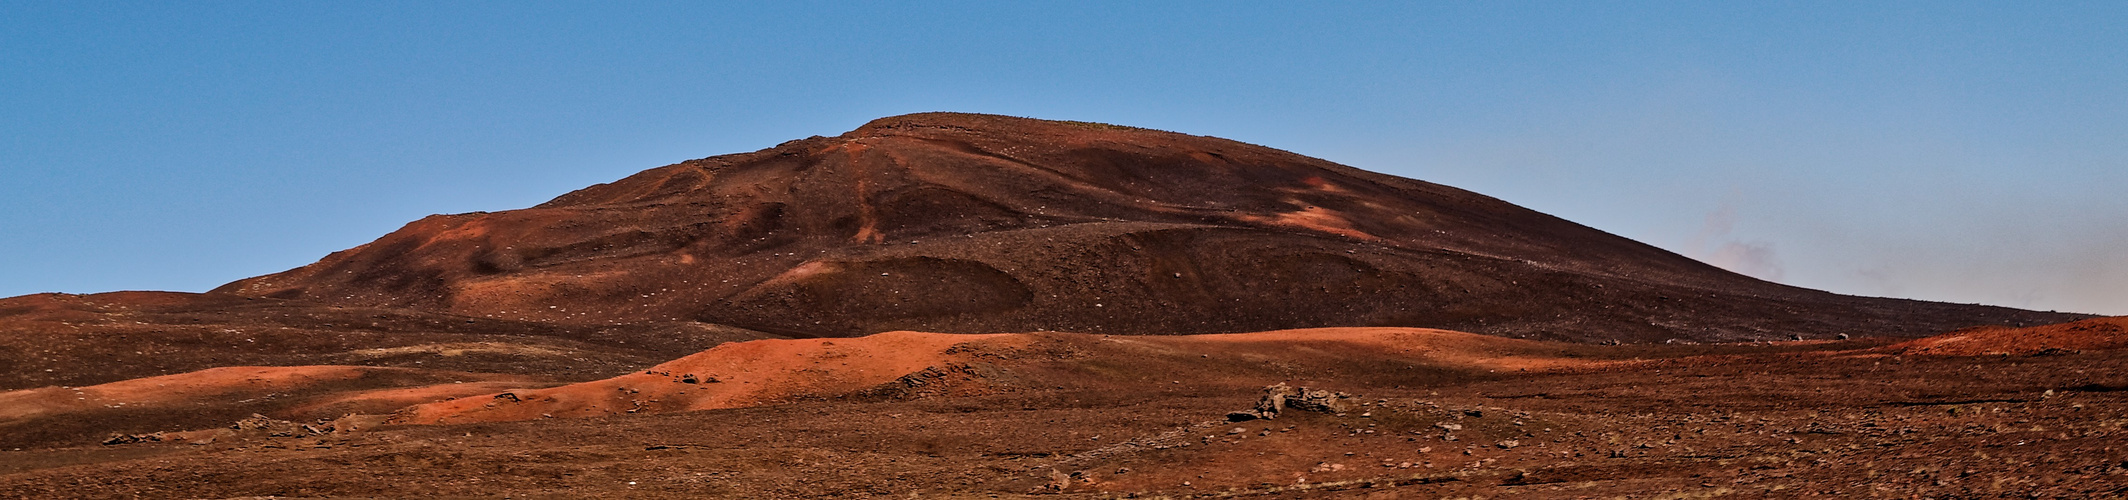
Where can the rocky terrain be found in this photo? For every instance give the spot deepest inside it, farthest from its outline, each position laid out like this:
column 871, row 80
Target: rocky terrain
column 1083, row 415
column 973, row 306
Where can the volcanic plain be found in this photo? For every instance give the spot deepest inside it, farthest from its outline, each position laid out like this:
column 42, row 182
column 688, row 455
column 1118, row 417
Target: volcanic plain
column 976, row 306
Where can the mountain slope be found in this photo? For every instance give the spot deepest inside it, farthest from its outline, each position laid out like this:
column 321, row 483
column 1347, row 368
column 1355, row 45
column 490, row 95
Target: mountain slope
column 978, row 223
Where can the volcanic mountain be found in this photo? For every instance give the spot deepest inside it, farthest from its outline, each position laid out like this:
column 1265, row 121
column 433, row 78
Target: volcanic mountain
column 635, row 340
column 952, row 222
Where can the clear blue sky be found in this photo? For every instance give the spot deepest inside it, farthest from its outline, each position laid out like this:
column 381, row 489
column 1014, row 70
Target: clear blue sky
column 1969, row 152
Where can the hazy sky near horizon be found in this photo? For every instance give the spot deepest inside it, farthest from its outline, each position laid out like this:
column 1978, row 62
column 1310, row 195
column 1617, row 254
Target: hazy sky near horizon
column 1955, row 151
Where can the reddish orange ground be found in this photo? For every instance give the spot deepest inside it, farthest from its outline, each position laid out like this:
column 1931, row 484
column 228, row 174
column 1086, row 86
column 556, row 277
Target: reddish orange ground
column 729, row 376
column 2090, row 334
column 173, row 392
column 1439, row 414
column 774, row 371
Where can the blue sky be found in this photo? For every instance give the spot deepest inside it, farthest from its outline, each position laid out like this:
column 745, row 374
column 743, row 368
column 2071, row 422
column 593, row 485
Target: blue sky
column 1967, row 152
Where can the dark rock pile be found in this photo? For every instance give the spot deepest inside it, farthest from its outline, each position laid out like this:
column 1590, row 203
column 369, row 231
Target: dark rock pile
column 1277, row 398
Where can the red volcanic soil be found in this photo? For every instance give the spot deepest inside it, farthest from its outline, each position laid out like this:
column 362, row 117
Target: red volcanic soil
column 978, row 223
column 1431, row 414
column 729, row 376
column 2090, row 334
column 234, row 382
column 77, row 340
column 779, row 371
column 217, row 396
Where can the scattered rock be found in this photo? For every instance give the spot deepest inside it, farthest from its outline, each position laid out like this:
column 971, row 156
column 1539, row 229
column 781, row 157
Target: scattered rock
column 942, row 380
column 1058, row 481
column 257, row 421
column 1317, row 400
column 356, row 422
column 118, row 439
column 1278, row 397
column 278, row 428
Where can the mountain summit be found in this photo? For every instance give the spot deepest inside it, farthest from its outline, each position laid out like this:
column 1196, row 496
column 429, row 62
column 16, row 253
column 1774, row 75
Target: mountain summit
column 979, row 223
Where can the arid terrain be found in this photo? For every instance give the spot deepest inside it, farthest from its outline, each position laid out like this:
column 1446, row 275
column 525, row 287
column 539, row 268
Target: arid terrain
column 950, row 305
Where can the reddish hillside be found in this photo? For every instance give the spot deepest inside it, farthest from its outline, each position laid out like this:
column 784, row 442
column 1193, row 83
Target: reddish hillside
column 977, row 223
column 2087, row 335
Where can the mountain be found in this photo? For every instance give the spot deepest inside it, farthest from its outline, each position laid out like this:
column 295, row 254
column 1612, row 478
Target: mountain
column 727, row 327
column 953, row 222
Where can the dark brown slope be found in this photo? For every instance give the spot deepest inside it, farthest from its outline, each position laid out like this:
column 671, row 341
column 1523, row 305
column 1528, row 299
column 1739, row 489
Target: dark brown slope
column 977, row 223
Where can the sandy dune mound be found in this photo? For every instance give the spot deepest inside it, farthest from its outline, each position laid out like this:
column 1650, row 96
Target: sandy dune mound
column 2086, row 335
column 913, row 363
column 977, row 223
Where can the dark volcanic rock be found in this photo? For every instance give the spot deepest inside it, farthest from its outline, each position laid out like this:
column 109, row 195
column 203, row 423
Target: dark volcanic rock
column 977, row 223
